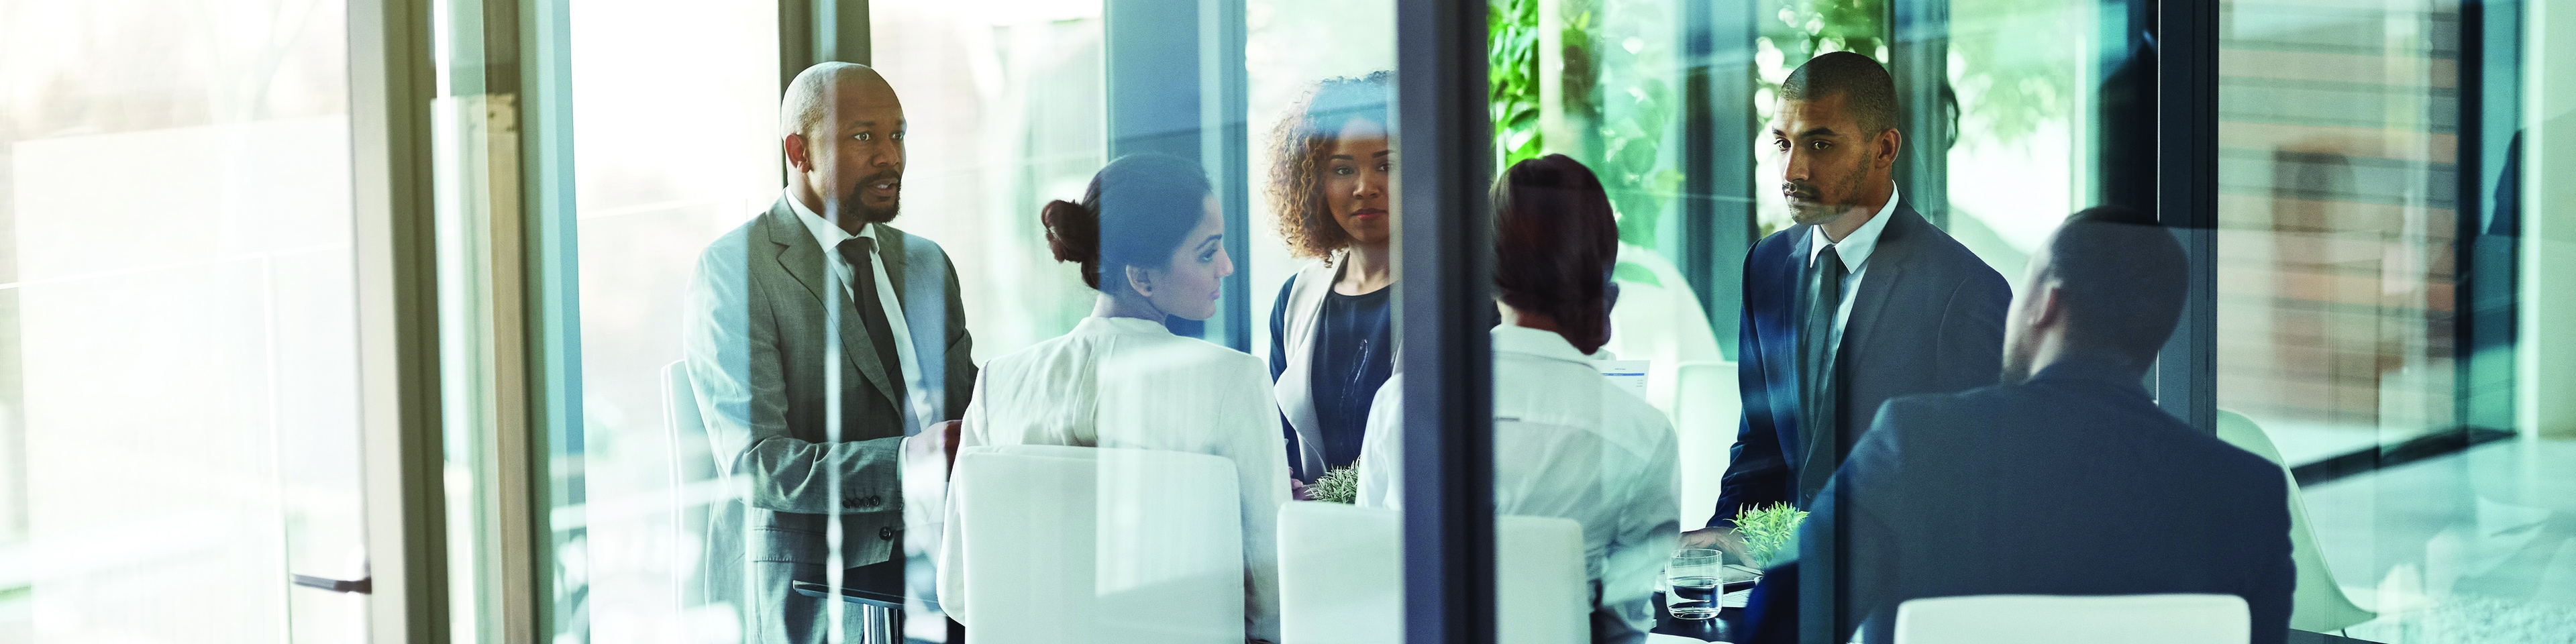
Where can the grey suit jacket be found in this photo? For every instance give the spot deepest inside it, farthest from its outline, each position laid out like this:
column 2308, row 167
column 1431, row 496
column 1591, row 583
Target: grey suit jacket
column 758, row 341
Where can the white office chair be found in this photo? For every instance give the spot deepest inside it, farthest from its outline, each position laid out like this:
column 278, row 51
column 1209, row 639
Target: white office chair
column 1341, row 577
column 1078, row 544
column 714, row 574
column 1707, row 409
column 2056, row 619
column 2319, row 604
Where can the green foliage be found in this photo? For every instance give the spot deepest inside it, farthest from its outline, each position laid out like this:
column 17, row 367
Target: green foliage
column 1769, row 531
column 1617, row 98
column 1512, row 73
column 1341, row 485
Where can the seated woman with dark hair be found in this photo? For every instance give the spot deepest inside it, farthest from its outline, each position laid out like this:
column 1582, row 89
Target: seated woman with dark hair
column 1567, row 443
column 1149, row 238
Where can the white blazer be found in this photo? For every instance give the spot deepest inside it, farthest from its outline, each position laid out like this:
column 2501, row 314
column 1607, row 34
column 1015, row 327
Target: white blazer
column 1130, row 383
column 1567, row 443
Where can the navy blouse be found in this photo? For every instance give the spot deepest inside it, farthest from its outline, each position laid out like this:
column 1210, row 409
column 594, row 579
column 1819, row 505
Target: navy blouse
column 1354, row 353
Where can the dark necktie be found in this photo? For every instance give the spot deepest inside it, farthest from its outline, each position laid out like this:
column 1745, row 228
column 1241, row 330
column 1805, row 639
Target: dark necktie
column 872, row 311
column 1819, row 391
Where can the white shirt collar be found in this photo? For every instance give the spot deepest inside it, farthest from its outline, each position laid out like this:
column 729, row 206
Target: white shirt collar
column 824, row 232
column 1544, row 344
column 1855, row 247
column 1119, row 325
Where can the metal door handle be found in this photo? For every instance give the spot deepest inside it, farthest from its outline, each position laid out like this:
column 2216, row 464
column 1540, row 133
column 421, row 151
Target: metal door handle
column 362, row 586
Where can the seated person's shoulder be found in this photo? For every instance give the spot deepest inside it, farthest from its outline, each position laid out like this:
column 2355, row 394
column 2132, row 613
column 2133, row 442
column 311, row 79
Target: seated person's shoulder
column 1933, row 413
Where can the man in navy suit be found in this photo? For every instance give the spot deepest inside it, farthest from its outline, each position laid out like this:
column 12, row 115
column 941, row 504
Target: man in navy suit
column 2068, row 481
column 1860, row 302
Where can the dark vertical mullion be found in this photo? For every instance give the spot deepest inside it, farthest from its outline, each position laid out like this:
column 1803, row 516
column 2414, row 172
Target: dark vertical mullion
column 1225, row 146
column 1919, row 49
column 814, row 31
column 2187, row 201
column 2490, row 109
column 1444, row 139
column 795, row 40
column 1717, row 171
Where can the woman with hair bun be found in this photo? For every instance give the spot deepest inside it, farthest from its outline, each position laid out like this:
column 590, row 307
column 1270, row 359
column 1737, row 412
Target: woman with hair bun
column 1149, row 237
column 1567, row 443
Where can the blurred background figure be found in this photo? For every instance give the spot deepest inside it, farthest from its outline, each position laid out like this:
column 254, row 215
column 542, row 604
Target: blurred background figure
column 1567, row 442
column 1150, row 239
column 1332, row 332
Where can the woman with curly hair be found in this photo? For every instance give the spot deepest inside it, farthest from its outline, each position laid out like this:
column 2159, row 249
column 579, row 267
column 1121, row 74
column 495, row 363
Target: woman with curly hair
column 1332, row 330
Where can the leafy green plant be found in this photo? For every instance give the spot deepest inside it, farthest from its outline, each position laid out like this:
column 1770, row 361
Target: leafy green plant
column 1617, row 103
column 1512, row 74
column 1769, row 531
column 1341, row 485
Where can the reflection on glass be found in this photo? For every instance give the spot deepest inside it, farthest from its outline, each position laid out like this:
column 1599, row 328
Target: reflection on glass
column 2352, row 260
column 178, row 323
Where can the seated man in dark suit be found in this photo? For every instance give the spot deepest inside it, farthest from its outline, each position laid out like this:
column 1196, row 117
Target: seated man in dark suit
column 2067, row 480
column 1860, row 302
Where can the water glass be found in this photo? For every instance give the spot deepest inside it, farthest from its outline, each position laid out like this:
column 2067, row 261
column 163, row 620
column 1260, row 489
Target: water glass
column 1694, row 577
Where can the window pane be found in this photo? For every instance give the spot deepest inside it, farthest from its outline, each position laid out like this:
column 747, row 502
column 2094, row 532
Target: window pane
column 178, row 328
column 2375, row 288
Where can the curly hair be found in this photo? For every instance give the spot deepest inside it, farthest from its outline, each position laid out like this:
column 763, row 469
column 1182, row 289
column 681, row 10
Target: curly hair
column 1301, row 144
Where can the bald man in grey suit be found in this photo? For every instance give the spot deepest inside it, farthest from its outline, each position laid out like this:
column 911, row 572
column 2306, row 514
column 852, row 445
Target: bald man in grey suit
column 818, row 338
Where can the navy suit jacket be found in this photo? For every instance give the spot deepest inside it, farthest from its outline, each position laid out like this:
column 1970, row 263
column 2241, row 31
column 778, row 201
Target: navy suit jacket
column 2074, row 483
column 1928, row 318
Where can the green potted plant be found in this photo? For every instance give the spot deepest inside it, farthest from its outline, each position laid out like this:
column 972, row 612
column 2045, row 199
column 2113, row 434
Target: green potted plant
column 1341, row 485
column 1769, row 531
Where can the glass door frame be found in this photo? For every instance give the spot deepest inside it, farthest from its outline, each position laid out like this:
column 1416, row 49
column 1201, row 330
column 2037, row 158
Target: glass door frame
column 391, row 87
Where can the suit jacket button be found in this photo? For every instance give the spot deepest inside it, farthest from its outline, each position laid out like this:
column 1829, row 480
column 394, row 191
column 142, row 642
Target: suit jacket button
column 885, row 533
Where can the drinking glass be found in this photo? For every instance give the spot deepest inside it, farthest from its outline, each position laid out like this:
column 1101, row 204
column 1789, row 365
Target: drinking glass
column 1694, row 576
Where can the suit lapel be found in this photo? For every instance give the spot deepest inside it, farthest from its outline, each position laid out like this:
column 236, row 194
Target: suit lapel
column 802, row 258
column 1886, row 269
column 890, row 248
column 1781, row 346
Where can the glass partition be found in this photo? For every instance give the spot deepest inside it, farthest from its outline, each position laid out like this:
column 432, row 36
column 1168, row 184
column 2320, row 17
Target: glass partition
column 179, row 350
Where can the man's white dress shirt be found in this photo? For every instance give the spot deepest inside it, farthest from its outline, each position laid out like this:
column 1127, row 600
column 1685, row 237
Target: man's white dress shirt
column 1567, row 443
column 1129, row 383
column 1854, row 249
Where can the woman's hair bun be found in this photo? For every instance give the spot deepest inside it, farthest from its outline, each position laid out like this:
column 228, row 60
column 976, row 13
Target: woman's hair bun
column 1135, row 213
column 1072, row 232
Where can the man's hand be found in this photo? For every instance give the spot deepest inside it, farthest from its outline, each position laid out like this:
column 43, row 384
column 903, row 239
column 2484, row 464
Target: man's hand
column 1720, row 538
column 947, row 432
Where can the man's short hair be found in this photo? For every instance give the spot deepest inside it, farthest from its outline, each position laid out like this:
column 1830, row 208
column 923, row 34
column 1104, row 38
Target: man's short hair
column 810, row 95
column 1868, row 92
column 2122, row 276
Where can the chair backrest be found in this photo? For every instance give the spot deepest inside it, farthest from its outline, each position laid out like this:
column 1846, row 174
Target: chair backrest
column 2054, row 619
column 2319, row 604
column 1040, row 564
column 1341, row 577
column 1706, row 412
column 705, row 507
